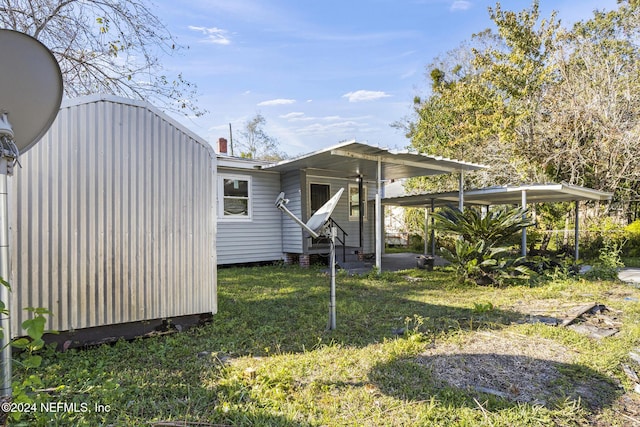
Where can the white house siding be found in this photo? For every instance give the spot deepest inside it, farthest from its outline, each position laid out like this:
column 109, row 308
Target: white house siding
column 291, row 232
column 113, row 218
column 257, row 240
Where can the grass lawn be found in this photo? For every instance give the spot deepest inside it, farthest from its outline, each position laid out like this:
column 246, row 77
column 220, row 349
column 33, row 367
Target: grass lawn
column 411, row 348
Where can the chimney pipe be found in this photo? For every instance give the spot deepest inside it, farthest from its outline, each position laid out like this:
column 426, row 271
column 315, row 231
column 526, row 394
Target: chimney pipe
column 222, row 146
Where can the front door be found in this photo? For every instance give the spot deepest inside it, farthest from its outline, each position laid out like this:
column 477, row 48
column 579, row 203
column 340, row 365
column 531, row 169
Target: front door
column 319, row 195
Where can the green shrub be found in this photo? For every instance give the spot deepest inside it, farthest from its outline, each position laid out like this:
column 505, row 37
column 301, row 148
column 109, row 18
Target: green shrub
column 632, row 236
column 481, row 252
column 416, row 243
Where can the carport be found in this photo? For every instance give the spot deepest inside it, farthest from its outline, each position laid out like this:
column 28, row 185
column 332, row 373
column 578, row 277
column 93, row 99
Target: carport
column 360, row 162
column 501, row 195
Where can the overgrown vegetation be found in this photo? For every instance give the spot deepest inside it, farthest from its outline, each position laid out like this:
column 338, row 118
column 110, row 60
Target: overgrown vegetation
column 516, row 99
column 29, row 360
column 267, row 358
column 481, row 252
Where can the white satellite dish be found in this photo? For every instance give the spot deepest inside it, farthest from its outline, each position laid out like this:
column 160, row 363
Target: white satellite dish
column 317, row 226
column 318, row 220
column 30, row 89
column 30, row 96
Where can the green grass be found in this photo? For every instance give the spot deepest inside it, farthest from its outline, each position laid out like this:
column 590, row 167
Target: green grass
column 267, row 358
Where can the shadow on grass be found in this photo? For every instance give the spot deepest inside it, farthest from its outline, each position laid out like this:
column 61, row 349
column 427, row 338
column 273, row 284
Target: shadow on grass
column 502, row 381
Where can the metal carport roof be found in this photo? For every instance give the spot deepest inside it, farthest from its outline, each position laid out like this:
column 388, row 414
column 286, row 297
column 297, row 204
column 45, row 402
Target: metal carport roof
column 351, row 158
column 502, row 195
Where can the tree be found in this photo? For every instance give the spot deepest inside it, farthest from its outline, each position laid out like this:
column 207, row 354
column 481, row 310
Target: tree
column 541, row 103
column 255, row 143
column 105, row 46
column 593, row 136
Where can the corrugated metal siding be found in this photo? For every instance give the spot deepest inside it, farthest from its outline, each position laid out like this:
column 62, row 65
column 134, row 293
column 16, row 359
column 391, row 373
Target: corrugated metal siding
column 259, row 239
column 113, row 219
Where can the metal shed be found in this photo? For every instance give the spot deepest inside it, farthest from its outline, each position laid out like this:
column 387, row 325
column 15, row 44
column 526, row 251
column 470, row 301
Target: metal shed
column 113, row 219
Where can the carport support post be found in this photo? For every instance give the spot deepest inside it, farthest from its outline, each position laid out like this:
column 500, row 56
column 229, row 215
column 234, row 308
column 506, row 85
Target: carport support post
column 524, row 229
column 379, row 217
column 426, row 229
column 461, row 192
column 577, row 230
column 433, row 228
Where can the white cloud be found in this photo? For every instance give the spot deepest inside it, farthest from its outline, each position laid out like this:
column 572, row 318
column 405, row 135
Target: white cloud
column 213, row 35
column 365, row 95
column 296, row 115
column 279, row 101
column 343, row 126
column 460, row 5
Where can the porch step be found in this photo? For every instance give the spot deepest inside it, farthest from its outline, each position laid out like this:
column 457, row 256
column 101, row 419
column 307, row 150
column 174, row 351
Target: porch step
column 354, row 267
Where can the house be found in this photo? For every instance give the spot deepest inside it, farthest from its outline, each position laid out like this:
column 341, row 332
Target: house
column 113, row 222
column 120, row 216
column 256, row 231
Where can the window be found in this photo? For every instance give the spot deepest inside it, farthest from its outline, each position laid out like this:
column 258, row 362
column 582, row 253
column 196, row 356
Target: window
column 354, row 202
column 235, row 202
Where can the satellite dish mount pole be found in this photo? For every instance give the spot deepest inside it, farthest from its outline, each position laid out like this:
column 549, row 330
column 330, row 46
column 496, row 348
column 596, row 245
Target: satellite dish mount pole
column 333, row 231
column 8, row 158
column 30, row 95
column 319, row 225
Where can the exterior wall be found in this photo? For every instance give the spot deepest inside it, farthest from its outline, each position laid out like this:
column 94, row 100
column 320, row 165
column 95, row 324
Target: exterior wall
column 260, row 238
column 341, row 212
column 112, row 219
column 291, row 232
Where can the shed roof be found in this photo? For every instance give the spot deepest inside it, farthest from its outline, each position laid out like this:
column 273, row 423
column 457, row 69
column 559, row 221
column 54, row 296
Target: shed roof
column 351, row 158
column 498, row 195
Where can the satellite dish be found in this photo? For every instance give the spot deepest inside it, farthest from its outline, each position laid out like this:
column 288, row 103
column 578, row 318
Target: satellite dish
column 30, row 88
column 30, row 96
column 320, row 218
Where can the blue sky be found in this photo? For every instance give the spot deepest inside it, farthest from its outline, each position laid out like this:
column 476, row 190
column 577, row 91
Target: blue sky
column 323, row 71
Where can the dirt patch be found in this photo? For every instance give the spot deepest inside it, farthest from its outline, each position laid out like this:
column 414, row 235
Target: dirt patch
column 519, row 368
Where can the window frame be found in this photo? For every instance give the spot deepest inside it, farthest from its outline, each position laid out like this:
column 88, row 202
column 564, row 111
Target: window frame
column 222, row 198
column 363, row 202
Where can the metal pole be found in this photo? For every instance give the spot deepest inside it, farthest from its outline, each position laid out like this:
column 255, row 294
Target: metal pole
column 433, row 228
column 379, row 218
column 332, row 260
column 461, row 191
column 426, row 229
column 360, row 211
column 5, row 321
column 524, row 229
column 577, row 230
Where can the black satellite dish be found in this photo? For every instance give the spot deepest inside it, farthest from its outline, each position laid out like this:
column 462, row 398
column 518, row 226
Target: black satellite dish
column 318, row 226
column 30, row 96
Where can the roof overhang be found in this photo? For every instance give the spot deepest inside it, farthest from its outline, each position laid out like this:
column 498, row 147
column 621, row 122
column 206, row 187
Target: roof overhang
column 351, row 159
column 502, row 195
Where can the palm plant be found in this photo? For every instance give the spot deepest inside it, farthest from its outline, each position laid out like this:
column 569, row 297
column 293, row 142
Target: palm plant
column 481, row 252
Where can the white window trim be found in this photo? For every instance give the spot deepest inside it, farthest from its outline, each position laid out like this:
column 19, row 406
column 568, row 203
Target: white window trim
column 233, row 218
column 364, row 202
